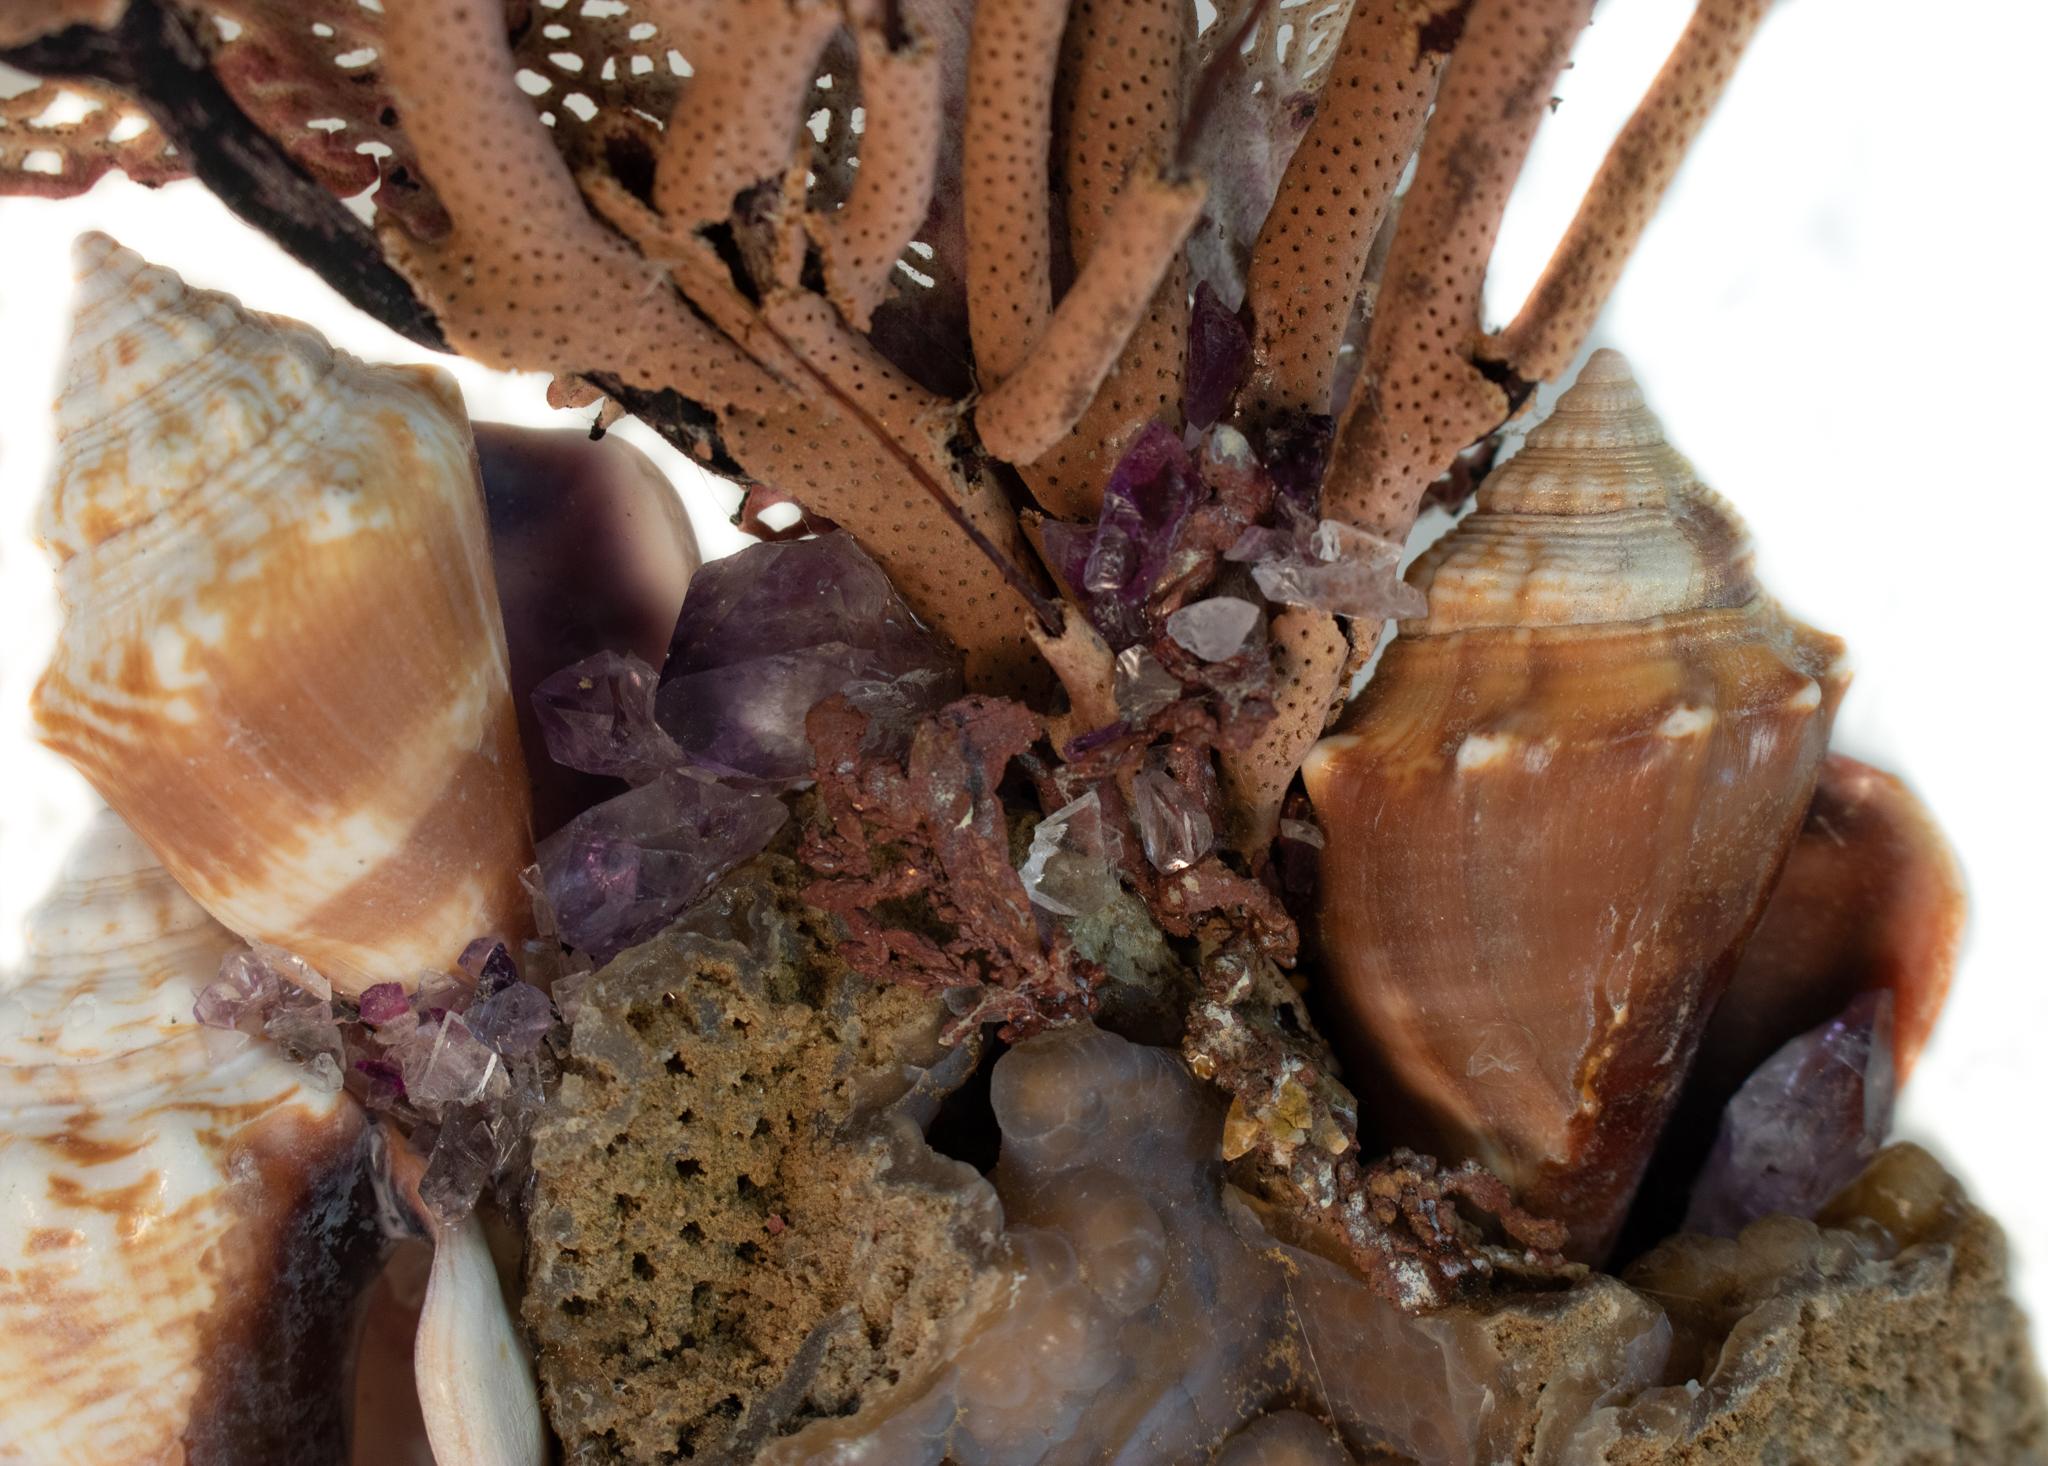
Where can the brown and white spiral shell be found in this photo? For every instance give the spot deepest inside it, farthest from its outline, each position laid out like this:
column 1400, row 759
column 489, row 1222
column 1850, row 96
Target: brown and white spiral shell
column 1555, row 813
column 176, row 1270
column 282, row 658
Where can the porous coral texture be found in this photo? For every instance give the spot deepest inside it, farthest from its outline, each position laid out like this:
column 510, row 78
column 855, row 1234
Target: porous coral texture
column 1421, row 398
column 1120, row 96
column 1308, row 265
column 735, row 1229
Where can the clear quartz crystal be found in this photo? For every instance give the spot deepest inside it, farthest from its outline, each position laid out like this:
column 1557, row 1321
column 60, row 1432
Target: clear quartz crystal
column 1175, row 829
column 1215, row 629
column 1142, row 685
column 1071, row 868
column 1344, row 571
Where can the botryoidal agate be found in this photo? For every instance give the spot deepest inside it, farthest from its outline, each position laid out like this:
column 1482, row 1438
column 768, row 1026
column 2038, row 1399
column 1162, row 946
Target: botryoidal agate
column 744, row 1249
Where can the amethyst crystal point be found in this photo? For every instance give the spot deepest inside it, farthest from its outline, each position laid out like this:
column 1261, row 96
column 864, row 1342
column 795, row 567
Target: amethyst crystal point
column 1296, row 449
column 618, row 873
column 1328, row 566
column 513, row 1019
column 597, row 716
column 1803, row 1125
column 381, row 1003
column 1215, row 629
column 1218, row 352
column 769, row 633
column 1071, row 869
column 1174, row 828
column 1149, row 496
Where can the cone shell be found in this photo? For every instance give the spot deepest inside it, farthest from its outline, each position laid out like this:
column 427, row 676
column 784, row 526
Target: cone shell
column 1555, row 813
column 282, row 659
column 174, row 1247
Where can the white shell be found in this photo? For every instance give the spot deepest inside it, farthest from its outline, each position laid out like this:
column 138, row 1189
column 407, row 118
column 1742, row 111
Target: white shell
column 282, row 659
column 146, row 1187
column 475, row 1382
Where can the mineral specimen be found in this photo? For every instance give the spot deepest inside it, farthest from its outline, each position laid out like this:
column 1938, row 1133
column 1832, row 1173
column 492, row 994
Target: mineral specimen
column 619, row 872
column 768, row 633
column 735, row 1229
column 1803, row 1125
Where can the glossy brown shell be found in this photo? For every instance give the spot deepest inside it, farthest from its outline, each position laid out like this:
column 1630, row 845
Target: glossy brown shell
column 1555, row 813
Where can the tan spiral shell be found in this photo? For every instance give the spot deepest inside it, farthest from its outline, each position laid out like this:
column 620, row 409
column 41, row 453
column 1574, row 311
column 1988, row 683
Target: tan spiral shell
column 1555, row 813
column 170, row 1240
column 282, row 658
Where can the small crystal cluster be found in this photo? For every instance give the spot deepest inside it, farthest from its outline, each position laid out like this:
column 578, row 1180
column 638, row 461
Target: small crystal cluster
column 462, row 1061
column 764, row 636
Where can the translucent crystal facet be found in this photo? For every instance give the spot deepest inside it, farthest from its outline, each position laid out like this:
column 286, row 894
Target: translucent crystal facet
column 598, row 716
column 1174, row 828
column 1142, row 686
column 1218, row 352
column 1071, row 868
column 618, row 873
column 1804, row 1125
column 1215, row 629
column 768, row 633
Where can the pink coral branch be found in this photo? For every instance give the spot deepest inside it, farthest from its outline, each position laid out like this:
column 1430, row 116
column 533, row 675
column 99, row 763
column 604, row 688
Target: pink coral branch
column 1034, row 407
column 1013, row 59
column 527, row 278
column 738, row 122
column 1309, row 262
column 1552, row 324
column 860, row 244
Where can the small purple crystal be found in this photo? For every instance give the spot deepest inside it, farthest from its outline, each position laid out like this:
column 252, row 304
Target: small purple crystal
column 513, row 1019
column 1149, row 496
column 1215, row 629
column 618, row 873
column 490, row 963
column 1802, row 1126
column 770, row 632
column 597, row 716
column 1172, row 825
column 1071, row 867
column 1218, row 352
column 445, row 1063
column 1296, row 450
column 385, row 1082
column 1327, row 565
column 464, row 1156
column 382, row 1002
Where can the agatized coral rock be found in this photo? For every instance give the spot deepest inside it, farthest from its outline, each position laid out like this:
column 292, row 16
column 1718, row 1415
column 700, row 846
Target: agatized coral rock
column 735, row 1227
column 768, row 633
column 742, row 1249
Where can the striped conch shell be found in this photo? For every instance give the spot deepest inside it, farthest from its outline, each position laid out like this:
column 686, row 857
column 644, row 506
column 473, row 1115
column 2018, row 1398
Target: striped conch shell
column 1555, row 813
column 178, row 1247
column 282, row 659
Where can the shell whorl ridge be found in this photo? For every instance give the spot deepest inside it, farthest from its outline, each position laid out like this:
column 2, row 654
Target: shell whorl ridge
column 151, row 1186
column 282, row 659
column 1596, row 519
column 1555, row 812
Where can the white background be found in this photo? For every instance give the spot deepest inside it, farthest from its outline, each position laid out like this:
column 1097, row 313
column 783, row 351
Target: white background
column 1837, row 313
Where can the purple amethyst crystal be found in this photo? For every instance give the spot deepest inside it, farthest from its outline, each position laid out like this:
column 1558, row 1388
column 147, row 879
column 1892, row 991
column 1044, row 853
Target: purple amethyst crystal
column 1327, row 565
column 1803, row 1125
column 597, row 716
column 1148, row 497
column 1295, row 449
column 381, row 1003
column 513, row 1019
column 265, row 989
column 1218, row 352
column 618, row 873
column 1215, row 629
column 769, row 633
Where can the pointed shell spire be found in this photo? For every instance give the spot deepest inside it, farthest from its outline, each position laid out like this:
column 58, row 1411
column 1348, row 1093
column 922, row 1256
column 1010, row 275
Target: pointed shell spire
column 1597, row 518
column 282, row 658
column 1554, row 814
